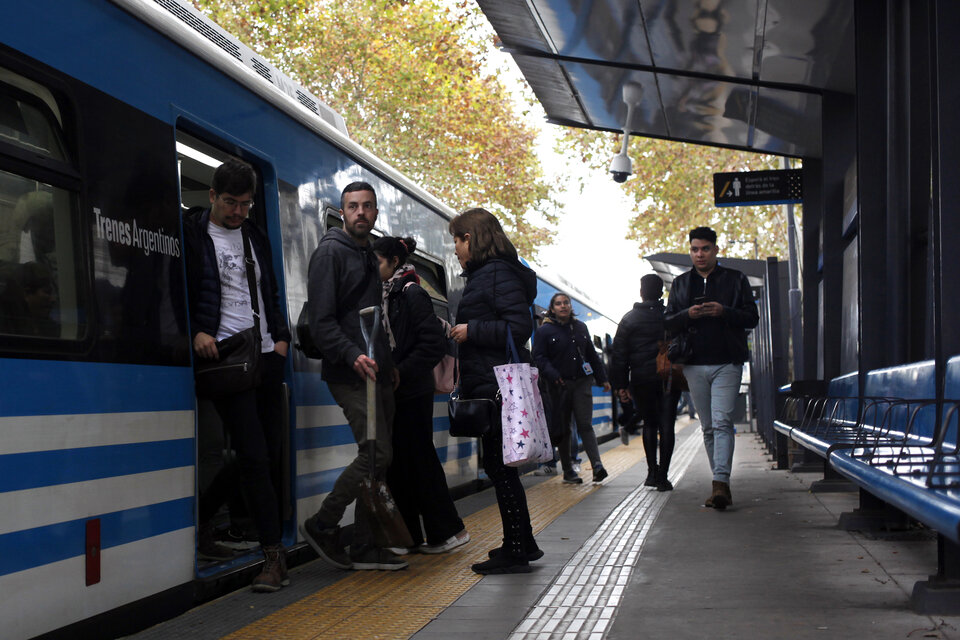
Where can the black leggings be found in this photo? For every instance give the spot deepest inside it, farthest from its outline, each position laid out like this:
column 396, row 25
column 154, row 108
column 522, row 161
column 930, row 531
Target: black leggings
column 511, row 498
column 659, row 412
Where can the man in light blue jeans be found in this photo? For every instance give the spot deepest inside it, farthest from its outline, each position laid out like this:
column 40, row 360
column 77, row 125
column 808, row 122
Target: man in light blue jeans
column 714, row 388
column 709, row 311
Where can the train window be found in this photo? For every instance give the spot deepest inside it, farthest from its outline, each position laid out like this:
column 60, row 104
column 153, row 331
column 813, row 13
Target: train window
column 332, row 219
column 431, row 277
column 30, row 118
column 40, row 285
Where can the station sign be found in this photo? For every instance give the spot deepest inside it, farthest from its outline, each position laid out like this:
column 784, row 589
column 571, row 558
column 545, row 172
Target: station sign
column 742, row 188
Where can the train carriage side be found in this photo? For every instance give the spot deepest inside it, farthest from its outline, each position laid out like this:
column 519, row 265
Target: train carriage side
column 98, row 414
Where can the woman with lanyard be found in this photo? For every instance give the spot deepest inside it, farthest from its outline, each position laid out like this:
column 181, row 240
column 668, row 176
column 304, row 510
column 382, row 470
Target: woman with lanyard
column 565, row 355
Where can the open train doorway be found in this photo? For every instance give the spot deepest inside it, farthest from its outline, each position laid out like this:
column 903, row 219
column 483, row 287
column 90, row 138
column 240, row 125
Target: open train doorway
column 228, row 503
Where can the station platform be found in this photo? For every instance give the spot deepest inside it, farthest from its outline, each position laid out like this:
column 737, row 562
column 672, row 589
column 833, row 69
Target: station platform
column 622, row 561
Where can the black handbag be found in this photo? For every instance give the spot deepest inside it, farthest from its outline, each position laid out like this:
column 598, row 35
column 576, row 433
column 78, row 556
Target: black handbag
column 238, row 367
column 470, row 417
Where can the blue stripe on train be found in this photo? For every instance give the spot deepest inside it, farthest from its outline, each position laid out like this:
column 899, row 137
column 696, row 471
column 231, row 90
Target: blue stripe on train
column 48, row 468
column 339, row 434
column 312, row 484
column 49, row 387
column 22, row 550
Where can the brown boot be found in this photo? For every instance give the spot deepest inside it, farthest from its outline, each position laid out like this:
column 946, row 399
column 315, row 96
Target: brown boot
column 721, row 495
column 273, row 576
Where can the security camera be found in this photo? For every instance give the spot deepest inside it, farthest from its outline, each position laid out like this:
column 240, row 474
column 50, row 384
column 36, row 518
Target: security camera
column 622, row 166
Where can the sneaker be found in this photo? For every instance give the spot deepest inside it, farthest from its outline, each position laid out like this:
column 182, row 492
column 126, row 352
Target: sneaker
column 326, row 542
column 546, row 470
column 624, row 436
column 573, row 478
column 208, row 549
column 274, row 573
column 599, row 474
column 576, row 467
column 451, row 543
column 401, row 551
column 238, row 540
column 664, row 485
column 502, row 563
column 375, row 559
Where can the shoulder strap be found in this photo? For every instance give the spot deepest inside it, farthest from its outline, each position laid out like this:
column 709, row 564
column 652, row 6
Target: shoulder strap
column 251, row 280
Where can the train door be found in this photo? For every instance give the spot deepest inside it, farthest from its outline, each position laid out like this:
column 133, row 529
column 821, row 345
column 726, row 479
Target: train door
column 227, row 533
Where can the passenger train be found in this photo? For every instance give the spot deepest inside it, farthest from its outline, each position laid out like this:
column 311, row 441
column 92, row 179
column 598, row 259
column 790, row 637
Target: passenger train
column 113, row 116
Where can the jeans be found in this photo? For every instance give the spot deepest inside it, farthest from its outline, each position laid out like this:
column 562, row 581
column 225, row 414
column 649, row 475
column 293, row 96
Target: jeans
column 352, row 398
column 714, row 388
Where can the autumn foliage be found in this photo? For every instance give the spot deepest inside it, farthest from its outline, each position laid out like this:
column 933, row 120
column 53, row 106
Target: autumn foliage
column 412, row 82
column 672, row 187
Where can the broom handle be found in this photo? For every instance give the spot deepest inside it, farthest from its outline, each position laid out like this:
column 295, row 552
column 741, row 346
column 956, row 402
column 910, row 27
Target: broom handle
column 369, row 337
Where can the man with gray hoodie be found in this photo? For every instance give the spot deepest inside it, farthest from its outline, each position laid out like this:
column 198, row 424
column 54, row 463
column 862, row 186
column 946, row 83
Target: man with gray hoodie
column 343, row 278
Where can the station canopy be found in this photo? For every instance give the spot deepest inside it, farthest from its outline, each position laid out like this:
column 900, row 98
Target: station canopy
column 731, row 73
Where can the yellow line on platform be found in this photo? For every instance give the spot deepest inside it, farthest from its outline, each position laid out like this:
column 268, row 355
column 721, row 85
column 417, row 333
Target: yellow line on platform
column 383, row 604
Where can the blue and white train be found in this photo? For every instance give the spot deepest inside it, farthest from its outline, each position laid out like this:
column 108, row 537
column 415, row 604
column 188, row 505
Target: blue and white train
column 113, row 115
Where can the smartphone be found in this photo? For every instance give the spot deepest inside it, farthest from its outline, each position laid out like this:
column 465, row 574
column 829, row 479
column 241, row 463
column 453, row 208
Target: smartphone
column 699, row 299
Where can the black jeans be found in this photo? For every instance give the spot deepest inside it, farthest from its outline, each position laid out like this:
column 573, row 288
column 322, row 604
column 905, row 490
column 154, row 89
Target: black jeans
column 253, row 420
column 416, row 478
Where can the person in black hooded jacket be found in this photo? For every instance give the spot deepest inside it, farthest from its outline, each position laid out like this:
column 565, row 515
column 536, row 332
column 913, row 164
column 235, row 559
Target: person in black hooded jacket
column 498, row 295
column 417, row 342
column 634, row 375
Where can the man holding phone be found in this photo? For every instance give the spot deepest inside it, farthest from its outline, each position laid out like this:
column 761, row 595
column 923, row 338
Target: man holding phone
column 715, row 306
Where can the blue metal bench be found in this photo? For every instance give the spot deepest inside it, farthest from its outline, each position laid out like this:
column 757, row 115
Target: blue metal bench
column 891, row 444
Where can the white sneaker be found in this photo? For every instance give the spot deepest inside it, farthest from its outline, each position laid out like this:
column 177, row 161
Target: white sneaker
column 576, row 467
column 451, row 543
column 398, row 551
column 546, row 470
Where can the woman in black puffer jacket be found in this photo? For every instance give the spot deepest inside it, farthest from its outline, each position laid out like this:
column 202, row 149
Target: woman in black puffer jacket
column 498, row 294
column 417, row 343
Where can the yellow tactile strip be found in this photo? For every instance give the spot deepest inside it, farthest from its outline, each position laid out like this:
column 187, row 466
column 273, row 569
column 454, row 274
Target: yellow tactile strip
column 384, row 604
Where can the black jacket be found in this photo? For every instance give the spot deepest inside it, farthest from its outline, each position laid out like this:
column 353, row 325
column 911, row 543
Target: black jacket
column 637, row 343
column 343, row 278
column 720, row 340
column 498, row 293
column 560, row 349
column 203, row 278
column 420, row 343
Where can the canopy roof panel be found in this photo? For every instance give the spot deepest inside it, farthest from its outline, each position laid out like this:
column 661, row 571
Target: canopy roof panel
column 731, row 73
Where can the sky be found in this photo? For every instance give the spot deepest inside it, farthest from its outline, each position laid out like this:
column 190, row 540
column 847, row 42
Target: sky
column 590, row 248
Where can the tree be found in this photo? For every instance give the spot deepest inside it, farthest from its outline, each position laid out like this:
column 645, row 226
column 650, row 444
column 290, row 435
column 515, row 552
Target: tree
column 413, row 82
column 673, row 191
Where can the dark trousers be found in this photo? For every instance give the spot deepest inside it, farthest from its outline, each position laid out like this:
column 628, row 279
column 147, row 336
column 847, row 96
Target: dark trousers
column 511, row 499
column 652, row 403
column 253, row 420
column 416, row 478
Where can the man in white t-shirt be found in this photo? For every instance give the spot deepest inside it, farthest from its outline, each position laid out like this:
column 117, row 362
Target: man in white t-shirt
column 221, row 306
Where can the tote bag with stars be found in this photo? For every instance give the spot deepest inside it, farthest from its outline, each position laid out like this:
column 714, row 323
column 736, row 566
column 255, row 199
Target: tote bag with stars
column 526, row 438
